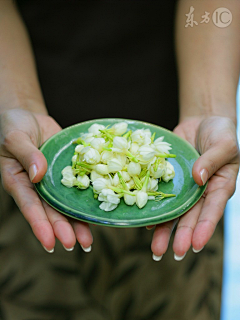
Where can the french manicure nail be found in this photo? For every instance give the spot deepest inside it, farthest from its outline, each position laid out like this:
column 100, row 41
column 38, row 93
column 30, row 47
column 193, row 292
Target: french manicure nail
column 178, row 258
column 87, row 249
column 204, row 176
column 156, row 258
column 49, row 251
column 196, row 251
column 68, row 249
column 32, row 172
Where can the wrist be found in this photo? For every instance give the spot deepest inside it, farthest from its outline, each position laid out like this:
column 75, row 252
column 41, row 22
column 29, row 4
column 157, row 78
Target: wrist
column 203, row 107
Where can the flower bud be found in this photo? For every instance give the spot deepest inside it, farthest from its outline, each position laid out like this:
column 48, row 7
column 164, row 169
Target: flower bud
column 126, row 176
column 134, row 169
column 79, row 148
column 94, row 129
column 84, row 181
column 68, row 181
column 115, row 180
column 134, row 148
column 100, row 183
column 92, row 156
column 169, row 172
column 106, row 156
column 142, row 137
column 141, row 199
column 147, row 153
column 120, row 143
column 98, row 143
column 87, row 137
column 119, row 128
column 152, row 185
column 101, row 169
column 114, row 165
column 129, row 200
column 94, row 175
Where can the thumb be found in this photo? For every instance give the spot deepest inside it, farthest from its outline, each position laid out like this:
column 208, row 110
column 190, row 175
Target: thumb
column 211, row 161
column 23, row 149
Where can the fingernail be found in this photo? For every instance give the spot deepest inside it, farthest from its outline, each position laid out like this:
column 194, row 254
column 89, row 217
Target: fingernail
column 32, row 172
column 204, row 176
column 178, row 258
column 149, row 227
column 196, row 251
column 68, row 249
column 156, row 258
column 49, row 251
column 87, row 249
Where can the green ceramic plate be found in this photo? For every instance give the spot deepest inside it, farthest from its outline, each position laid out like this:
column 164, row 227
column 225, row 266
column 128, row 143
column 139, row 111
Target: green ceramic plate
column 81, row 205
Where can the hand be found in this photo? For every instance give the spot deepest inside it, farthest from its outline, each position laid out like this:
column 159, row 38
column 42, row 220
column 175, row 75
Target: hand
column 215, row 139
column 21, row 163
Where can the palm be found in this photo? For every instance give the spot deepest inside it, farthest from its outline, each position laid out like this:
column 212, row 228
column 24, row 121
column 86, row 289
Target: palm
column 45, row 221
column 215, row 139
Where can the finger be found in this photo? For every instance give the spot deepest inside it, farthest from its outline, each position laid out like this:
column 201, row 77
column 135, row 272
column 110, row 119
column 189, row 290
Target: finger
column 212, row 160
column 62, row 228
column 161, row 239
column 21, row 189
column 22, row 148
column 212, row 211
column 183, row 235
column 83, row 234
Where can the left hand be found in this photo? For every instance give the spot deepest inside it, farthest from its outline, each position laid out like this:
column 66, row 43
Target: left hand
column 215, row 139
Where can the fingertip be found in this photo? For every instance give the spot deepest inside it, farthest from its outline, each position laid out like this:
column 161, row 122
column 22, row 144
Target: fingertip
column 38, row 168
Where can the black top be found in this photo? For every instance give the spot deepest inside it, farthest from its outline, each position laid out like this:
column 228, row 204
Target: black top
column 105, row 58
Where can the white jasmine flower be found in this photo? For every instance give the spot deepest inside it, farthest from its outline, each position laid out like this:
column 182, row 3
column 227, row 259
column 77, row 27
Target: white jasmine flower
column 110, row 200
column 92, row 156
column 94, row 129
column 74, row 159
column 141, row 199
column 79, row 148
column 107, row 206
column 120, row 144
column 98, row 143
column 84, row 181
column 114, row 165
column 152, row 184
column 94, row 175
column 134, row 169
column 147, row 153
column 100, row 184
column 141, row 136
column 121, row 157
column 169, row 172
column 106, row 156
column 87, row 137
column 115, row 180
column 161, row 168
column 126, row 176
column 109, row 195
column 119, row 128
column 130, row 184
column 68, row 179
column 67, row 170
column 128, row 199
column 134, row 148
column 101, row 169
column 161, row 146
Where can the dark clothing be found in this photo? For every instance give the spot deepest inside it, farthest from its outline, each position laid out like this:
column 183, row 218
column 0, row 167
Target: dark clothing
column 104, row 59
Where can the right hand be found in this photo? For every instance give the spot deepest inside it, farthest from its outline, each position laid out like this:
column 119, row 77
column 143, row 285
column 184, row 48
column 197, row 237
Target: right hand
column 21, row 163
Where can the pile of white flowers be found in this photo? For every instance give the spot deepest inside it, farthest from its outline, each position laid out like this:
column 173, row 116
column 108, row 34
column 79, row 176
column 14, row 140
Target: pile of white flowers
column 120, row 164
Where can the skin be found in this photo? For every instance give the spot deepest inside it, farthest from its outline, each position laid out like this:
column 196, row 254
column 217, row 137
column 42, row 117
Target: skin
column 207, row 121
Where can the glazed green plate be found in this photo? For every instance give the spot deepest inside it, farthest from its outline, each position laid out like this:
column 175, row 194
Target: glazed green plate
column 80, row 204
